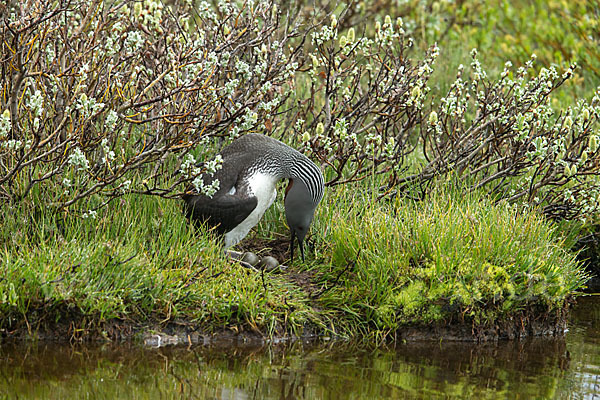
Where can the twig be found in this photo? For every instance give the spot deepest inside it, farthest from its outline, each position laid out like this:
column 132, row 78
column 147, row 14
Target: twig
column 349, row 265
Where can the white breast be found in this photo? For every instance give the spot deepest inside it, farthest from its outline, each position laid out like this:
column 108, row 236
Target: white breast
column 263, row 187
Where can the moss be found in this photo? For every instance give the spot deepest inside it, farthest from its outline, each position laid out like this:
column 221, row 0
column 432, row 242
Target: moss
column 453, row 257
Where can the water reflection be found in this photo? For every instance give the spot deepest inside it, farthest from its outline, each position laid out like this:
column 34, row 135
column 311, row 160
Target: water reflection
column 535, row 368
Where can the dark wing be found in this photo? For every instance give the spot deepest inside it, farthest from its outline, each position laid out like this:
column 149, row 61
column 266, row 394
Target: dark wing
column 224, row 212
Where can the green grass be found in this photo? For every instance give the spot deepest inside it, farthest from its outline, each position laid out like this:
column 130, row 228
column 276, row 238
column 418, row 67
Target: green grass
column 454, row 258
column 139, row 261
column 561, row 33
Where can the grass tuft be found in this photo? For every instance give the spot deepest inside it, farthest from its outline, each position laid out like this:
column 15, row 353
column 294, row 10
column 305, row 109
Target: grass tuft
column 375, row 268
column 454, row 257
column 139, row 261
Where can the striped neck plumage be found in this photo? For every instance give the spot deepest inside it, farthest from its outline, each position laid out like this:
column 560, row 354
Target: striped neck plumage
column 310, row 174
column 294, row 165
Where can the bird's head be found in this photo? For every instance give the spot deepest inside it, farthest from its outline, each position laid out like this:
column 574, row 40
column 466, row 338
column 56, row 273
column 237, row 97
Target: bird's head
column 300, row 208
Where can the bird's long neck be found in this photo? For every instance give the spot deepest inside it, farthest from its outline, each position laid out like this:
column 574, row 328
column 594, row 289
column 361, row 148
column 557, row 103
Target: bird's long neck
column 296, row 166
column 310, row 174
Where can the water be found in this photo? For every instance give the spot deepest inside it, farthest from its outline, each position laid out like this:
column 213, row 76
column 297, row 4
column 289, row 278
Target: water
column 566, row 368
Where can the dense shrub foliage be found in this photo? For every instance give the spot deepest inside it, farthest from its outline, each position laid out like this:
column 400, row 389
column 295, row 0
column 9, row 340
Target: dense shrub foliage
column 108, row 97
column 104, row 98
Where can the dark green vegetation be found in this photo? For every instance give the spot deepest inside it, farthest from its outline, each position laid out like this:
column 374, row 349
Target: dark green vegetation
column 452, row 260
column 97, row 145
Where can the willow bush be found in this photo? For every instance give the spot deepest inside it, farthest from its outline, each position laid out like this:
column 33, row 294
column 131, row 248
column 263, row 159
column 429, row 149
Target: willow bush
column 365, row 96
column 502, row 134
column 369, row 110
column 105, row 98
column 109, row 97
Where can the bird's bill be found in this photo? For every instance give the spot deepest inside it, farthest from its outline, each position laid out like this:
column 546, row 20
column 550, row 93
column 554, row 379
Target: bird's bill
column 292, row 245
column 300, row 245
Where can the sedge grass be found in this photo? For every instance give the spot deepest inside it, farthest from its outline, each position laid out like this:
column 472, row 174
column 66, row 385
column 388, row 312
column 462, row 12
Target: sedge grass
column 455, row 257
column 140, row 261
column 376, row 268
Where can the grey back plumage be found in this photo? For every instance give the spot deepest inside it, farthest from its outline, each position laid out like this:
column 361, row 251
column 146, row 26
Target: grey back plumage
column 265, row 154
column 245, row 156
